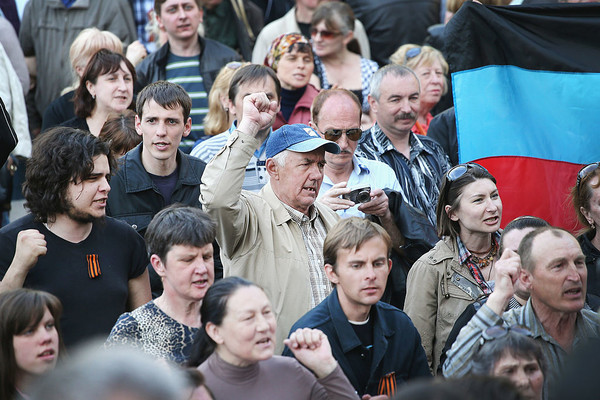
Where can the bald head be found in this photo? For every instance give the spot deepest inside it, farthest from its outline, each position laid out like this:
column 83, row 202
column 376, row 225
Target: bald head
column 333, row 98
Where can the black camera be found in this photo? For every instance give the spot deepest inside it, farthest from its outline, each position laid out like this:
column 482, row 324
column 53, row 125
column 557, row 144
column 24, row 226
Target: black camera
column 359, row 194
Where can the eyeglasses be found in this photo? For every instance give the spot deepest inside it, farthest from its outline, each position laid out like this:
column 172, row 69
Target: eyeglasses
column 585, row 171
column 324, row 34
column 456, row 172
column 353, row 134
column 499, row 331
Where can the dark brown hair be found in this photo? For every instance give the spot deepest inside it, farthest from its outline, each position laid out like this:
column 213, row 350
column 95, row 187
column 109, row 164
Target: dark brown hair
column 450, row 194
column 19, row 310
column 102, row 62
column 581, row 195
column 119, row 132
column 60, row 156
column 168, row 95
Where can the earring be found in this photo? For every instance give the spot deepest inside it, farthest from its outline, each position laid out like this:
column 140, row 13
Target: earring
column 93, row 97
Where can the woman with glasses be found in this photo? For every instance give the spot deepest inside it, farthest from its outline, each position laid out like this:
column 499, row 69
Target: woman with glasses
column 456, row 272
column 586, row 200
column 511, row 353
column 291, row 57
column 332, row 27
column 431, row 68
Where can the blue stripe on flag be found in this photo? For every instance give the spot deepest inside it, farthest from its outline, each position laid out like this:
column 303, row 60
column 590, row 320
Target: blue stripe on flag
column 506, row 110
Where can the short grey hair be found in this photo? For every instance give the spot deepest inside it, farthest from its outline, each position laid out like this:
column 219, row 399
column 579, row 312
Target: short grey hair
column 280, row 158
column 390, row 69
column 96, row 373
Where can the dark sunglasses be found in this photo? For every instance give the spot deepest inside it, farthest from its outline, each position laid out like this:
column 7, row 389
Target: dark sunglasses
column 585, row 171
column 456, row 172
column 499, row 331
column 324, row 34
column 353, row 134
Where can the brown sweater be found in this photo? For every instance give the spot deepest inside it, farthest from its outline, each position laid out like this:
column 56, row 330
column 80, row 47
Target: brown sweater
column 275, row 378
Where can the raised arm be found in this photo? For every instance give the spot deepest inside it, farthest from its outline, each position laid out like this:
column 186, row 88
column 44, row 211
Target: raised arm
column 221, row 189
column 464, row 348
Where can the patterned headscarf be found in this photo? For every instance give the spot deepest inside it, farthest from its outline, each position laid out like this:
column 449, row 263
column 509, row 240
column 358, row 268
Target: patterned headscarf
column 281, row 45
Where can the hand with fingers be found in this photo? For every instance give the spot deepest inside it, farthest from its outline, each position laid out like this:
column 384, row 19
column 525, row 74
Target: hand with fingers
column 311, row 347
column 332, row 198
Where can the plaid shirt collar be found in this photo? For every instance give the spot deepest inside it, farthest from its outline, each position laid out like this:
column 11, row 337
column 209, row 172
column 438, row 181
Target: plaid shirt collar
column 299, row 217
column 382, row 143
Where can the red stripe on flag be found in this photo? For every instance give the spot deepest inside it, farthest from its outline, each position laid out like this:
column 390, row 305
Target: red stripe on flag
column 533, row 186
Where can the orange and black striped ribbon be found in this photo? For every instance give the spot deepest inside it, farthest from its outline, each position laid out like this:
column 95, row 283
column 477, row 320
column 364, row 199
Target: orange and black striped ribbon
column 387, row 385
column 93, row 266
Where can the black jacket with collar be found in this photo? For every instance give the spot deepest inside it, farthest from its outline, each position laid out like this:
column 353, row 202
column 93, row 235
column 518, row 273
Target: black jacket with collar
column 397, row 352
column 135, row 199
column 213, row 56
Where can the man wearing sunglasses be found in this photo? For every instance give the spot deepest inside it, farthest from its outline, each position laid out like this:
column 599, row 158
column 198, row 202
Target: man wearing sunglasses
column 552, row 268
column 336, row 116
column 419, row 162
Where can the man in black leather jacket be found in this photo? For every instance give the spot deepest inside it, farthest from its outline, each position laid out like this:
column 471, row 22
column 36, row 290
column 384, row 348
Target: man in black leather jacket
column 185, row 48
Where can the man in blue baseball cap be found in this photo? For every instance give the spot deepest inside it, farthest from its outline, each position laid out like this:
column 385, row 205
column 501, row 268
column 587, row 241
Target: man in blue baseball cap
column 273, row 238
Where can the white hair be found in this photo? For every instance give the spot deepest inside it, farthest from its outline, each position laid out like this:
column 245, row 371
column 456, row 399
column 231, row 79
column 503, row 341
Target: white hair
column 280, row 158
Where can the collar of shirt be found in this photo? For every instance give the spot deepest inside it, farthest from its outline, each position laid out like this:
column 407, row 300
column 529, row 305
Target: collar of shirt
column 301, row 218
column 464, row 253
column 383, row 143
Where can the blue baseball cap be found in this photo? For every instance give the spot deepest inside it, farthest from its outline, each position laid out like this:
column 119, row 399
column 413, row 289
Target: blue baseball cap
column 298, row 137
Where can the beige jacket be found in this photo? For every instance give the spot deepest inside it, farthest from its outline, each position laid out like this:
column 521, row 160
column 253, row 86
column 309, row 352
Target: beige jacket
column 438, row 289
column 258, row 239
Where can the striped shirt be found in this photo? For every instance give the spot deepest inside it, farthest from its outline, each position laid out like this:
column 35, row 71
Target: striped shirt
column 313, row 233
column 420, row 177
column 256, row 175
column 185, row 71
column 459, row 358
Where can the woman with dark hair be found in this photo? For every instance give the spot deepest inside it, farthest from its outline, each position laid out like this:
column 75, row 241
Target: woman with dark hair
column 235, row 348
column 106, row 86
column 30, row 341
column 291, row 57
column 511, row 352
column 332, row 30
column 456, row 272
column 119, row 132
column 586, row 200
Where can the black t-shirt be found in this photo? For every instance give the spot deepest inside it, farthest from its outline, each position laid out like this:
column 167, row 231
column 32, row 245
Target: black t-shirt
column 361, row 357
column 166, row 184
column 90, row 277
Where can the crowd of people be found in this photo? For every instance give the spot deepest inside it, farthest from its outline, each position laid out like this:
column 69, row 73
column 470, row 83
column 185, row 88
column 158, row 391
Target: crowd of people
column 263, row 199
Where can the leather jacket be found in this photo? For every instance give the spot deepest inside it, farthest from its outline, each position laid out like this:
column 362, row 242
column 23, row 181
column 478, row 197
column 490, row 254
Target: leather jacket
column 213, row 56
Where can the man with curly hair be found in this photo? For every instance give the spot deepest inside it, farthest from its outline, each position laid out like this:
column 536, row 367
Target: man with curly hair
column 66, row 246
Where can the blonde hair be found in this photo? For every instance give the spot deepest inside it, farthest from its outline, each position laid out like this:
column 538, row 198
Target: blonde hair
column 87, row 43
column 426, row 55
column 217, row 119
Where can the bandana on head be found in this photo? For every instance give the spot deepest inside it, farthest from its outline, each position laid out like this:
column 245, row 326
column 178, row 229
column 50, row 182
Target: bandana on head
column 281, row 45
